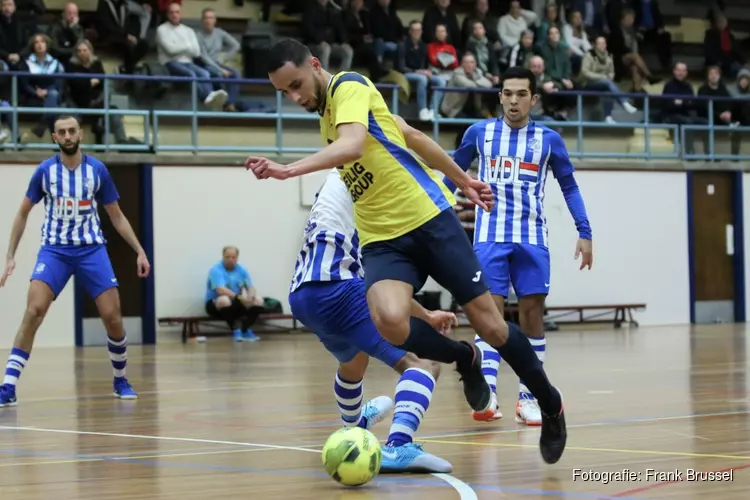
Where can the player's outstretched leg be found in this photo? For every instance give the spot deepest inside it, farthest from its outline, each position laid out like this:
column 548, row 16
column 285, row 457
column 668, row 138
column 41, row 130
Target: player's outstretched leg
column 490, row 369
column 390, row 305
column 108, row 304
column 348, row 388
column 39, row 298
column 413, row 396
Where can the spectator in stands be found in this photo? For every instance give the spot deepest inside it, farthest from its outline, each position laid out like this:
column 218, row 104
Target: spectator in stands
column 523, row 51
column 598, row 73
column 442, row 56
column 231, row 296
column 592, row 12
column 511, row 26
column 218, row 48
column 359, row 33
column 178, row 50
column 65, row 34
column 413, row 64
column 42, row 87
column 557, row 59
column 681, row 111
column 14, row 35
column 575, row 35
column 530, row 9
column 551, row 18
column 481, row 13
column 468, row 104
column 650, row 24
column 5, row 118
column 624, row 46
column 88, row 93
column 715, row 90
column 721, row 47
column 547, row 104
column 479, row 45
column 31, row 12
column 441, row 13
column 323, row 31
column 741, row 110
column 387, row 29
column 120, row 29
column 143, row 10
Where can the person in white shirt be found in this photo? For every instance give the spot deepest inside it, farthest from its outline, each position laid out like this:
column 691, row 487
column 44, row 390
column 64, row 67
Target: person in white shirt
column 178, row 47
column 577, row 38
column 510, row 28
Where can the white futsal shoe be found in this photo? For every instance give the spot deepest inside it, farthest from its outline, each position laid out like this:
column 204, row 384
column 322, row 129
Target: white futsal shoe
column 376, row 409
column 490, row 414
column 528, row 411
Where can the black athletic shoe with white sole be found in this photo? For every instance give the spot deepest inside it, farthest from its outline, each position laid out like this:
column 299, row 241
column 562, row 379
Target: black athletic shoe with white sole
column 554, row 434
column 476, row 390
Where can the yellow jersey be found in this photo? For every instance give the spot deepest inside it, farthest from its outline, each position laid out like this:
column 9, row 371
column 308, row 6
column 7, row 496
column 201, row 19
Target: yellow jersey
column 392, row 190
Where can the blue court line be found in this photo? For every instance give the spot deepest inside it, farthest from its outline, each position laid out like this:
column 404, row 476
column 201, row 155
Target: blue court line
column 280, row 472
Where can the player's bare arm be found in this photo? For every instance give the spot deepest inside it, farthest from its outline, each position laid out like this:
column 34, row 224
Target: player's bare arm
column 124, row 229
column 477, row 191
column 16, row 233
column 347, row 148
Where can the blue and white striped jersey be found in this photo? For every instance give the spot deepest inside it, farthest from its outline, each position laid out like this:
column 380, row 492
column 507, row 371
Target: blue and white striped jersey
column 330, row 248
column 70, row 199
column 515, row 163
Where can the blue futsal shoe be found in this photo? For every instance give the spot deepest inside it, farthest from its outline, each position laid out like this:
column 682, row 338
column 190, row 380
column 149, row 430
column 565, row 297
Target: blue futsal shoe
column 374, row 411
column 411, row 458
column 123, row 389
column 7, row 396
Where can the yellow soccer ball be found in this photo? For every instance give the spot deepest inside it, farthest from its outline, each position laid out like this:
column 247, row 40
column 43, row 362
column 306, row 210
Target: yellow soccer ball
column 352, row 456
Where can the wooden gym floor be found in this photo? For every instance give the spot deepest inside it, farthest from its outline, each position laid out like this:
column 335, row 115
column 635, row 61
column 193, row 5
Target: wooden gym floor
column 219, row 420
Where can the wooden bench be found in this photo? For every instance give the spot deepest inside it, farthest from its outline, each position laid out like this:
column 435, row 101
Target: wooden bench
column 623, row 313
column 191, row 324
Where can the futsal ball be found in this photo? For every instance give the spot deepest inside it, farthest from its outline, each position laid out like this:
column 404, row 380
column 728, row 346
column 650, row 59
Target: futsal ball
column 352, row 456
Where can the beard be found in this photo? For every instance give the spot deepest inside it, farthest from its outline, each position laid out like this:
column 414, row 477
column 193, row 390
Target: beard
column 320, row 99
column 69, row 149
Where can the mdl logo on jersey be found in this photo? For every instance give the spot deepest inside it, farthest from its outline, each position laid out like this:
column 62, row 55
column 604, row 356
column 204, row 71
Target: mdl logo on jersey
column 509, row 170
column 66, row 207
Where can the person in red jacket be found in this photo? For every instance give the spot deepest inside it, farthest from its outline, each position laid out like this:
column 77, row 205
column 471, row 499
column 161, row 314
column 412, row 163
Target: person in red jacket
column 441, row 54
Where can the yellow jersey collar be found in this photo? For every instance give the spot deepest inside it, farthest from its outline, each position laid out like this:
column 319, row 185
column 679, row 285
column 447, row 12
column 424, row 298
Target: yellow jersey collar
column 322, row 108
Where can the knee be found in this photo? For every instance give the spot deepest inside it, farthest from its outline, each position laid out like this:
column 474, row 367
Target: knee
column 222, row 302
column 392, row 323
column 36, row 310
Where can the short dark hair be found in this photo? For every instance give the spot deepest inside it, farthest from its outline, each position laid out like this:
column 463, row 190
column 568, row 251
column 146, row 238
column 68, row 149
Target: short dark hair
column 67, row 117
column 288, row 50
column 519, row 73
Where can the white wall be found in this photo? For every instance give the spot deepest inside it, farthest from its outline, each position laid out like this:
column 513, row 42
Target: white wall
column 58, row 328
column 639, row 221
column 198, row 210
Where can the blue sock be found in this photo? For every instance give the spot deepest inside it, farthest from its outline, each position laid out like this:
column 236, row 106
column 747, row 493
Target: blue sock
column 349, row 399
column 490, row 362
column 413, row 396
column 539, row 344
column 118, row 355
column 16, row 363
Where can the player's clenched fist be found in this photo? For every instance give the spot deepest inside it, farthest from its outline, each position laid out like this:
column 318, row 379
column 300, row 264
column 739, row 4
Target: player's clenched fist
column 263, row 168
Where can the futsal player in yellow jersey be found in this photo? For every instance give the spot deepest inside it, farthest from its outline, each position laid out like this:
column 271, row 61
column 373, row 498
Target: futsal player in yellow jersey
column 407, row 227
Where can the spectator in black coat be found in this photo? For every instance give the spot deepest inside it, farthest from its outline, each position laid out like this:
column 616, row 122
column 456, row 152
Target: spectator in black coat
column 324, row 33
column 387, row 29
column 721, row 48
column 681, row 111
column 30, row 12
column 65, row 34
column 121, row 30
column 414, row 65
column 14, row 36
column 442, row 13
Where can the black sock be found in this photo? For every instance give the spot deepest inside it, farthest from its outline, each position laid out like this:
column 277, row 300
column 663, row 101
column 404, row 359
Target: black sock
column 519, row 354
column 428, row 343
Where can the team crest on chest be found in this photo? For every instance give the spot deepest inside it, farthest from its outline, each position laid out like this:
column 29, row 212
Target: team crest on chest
column 534, row 145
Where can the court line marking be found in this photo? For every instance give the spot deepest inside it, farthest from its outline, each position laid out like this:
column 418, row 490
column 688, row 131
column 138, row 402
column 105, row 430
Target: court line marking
column 606, row 450
column 464, row 491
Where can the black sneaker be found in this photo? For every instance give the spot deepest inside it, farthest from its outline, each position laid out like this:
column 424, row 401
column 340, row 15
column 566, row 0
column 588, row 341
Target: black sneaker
column 554, row 435
column 476, row 390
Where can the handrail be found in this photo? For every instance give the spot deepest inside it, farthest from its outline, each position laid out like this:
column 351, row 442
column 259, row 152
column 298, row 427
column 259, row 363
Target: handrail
column 151, row 119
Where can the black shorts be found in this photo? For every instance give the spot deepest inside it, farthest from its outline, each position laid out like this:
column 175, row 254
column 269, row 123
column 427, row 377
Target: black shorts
column 438, row 248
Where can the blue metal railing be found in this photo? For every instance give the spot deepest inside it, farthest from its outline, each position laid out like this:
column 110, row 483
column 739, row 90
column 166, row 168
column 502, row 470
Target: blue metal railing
column 151, row 120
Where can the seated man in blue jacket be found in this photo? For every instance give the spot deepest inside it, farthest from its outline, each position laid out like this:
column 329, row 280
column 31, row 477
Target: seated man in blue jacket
column 231, row 296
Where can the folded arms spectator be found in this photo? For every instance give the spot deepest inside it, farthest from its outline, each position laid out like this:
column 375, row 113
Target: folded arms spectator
column 323, row 31
column 120, row 29
column 178, row 48
column 65, row 34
